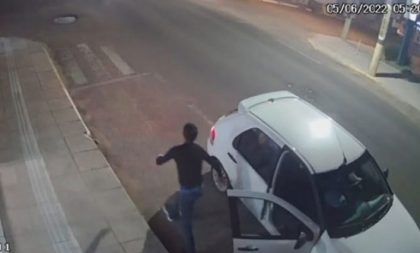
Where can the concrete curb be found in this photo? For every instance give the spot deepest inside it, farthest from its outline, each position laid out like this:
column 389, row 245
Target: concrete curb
column 336, row 58
column 407, row 109
column 57, row 73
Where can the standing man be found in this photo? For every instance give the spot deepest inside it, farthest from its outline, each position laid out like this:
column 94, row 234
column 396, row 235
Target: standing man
column 189, row 158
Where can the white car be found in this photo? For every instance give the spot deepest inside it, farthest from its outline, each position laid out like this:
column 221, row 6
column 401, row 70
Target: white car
column 304, row 183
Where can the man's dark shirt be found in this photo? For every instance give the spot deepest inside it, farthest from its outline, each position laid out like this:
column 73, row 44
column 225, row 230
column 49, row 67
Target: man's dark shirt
column 189, row 159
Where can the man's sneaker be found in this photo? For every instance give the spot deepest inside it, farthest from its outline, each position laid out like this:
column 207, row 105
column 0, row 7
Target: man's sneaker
column 168, row 217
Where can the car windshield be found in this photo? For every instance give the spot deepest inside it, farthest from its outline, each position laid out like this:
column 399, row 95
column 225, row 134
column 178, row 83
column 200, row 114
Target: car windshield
column 353, row 197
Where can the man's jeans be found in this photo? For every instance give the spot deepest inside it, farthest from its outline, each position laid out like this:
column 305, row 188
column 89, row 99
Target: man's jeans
column 184, row 206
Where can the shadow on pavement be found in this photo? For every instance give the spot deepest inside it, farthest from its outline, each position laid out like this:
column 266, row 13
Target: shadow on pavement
column 405, row 74
column 211, row 223
column 94, row 244
column 152, row 244
column 391, row 75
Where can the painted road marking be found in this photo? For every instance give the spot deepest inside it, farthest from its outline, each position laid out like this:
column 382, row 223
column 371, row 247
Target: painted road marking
column 112, row 81
column 280, row 3
column 305, row 55
column 160, row 78
column 52, row 213
column 200, row 113
column 115, row 58
column 270, row 1
column 94, row 62
column 72, row 68
column 289, row 5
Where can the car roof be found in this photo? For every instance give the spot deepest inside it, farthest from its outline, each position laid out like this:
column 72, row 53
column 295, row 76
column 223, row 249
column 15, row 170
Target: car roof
column 317, row 138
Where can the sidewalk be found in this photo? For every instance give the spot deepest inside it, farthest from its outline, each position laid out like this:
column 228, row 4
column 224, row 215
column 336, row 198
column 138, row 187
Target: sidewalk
column 404, row 93
column 57, row 192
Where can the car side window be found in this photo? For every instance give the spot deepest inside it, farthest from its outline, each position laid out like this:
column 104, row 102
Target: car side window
column 259, row 150
column 293, row 184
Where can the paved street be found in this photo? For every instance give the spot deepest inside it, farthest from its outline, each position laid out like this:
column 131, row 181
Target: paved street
column 138, row 70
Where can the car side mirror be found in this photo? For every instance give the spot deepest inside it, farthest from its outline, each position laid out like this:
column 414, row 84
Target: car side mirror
column 301, row 240
column 386, row 173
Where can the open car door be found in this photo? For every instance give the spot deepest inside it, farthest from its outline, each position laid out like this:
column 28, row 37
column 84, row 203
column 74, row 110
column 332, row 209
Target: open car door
column 283, row 229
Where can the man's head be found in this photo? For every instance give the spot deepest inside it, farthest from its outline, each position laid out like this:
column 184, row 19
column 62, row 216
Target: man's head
column 190, row 132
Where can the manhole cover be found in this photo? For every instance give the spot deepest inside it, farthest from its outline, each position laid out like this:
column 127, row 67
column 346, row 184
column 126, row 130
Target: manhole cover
column 65, row 19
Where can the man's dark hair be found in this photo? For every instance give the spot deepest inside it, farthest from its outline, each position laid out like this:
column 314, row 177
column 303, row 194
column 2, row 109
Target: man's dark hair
column 190, row 132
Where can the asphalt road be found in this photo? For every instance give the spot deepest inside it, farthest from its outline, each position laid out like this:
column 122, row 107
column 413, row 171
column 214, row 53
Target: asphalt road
column 194, row 63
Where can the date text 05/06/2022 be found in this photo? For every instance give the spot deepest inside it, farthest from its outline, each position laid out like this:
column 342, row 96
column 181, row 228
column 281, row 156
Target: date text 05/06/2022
column 370, row 8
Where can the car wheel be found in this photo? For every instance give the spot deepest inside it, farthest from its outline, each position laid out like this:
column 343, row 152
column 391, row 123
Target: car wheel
column 221, row 183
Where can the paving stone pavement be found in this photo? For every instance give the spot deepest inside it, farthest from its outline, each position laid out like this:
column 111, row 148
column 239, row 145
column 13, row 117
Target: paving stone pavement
column 58, row 192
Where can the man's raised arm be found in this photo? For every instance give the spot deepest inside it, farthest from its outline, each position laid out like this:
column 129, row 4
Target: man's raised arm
column 214, row 163
column 161, row 159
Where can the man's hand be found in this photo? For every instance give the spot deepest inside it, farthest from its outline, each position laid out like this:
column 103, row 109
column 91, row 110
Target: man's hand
column 160, row 159
column 215, row 164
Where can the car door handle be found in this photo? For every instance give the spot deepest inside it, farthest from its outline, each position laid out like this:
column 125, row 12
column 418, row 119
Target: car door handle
column 232, row 158
column 248, row 248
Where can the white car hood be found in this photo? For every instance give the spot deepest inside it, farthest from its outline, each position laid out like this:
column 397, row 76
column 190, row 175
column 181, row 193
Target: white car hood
column 395, row 233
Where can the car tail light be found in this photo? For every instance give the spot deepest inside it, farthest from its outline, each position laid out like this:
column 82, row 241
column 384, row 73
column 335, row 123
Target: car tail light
column 212, row 135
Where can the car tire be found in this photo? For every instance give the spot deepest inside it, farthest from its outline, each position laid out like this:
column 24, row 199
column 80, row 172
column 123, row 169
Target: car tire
column 221, row 184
